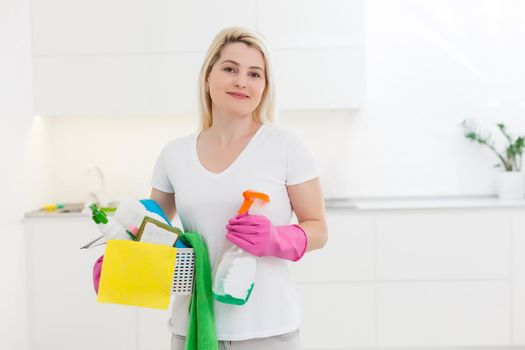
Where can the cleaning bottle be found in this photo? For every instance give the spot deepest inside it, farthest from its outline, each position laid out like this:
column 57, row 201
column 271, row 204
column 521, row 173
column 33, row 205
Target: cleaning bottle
column 110, row 228
column 235, row 275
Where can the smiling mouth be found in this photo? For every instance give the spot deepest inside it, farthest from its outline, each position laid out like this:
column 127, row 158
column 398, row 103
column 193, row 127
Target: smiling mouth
column 238, row 96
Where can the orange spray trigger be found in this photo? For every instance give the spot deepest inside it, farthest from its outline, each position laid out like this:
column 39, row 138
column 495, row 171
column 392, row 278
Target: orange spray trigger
column 249, row 197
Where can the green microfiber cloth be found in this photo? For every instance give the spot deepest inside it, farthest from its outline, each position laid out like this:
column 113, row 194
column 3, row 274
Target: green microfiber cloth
column 201, row 334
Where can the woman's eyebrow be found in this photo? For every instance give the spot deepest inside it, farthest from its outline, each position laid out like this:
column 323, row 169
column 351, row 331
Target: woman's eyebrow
column 237, row 64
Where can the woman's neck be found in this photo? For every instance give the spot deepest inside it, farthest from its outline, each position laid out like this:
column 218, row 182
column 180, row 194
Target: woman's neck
column 229, row 130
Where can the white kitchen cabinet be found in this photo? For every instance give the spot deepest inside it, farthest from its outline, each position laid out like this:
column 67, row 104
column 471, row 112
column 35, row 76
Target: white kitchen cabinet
column 62, row 27
column 111, row 58
column 190, row 26
column 518, row 276
column 348, row 255
column 337, row 315
column 320, row 78
column 416, row 278
column 387, row 278
column 91, row 85
column 303, row 24
column 319, row 52
column 443, row 244
column 174, row 82
column 443, row 314
column 63, row 310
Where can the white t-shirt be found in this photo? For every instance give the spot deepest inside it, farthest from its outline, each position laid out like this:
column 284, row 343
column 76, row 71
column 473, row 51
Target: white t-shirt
column 205, row 201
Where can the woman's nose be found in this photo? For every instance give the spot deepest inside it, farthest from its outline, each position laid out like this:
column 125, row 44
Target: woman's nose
column 240, row 82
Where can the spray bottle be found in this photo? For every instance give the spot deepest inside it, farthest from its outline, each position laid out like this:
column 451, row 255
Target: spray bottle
column 109, row 227
column 235, row 276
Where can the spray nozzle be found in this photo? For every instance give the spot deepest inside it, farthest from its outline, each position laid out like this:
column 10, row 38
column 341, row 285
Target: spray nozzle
column 249, row 197
column 99, row 217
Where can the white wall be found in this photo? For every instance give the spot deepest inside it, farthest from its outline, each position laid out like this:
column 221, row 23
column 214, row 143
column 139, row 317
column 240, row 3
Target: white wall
column 16, row 109
column 126, row 149
column 429, row 65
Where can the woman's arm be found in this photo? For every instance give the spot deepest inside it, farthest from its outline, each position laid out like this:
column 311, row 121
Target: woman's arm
column 308, row 204
column 166, row 202
column 258, row 236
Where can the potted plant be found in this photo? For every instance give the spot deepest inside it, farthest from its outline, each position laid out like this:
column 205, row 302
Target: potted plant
column 510, row 183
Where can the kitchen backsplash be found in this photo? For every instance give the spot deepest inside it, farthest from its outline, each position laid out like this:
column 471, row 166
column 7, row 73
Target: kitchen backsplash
column 125, row 149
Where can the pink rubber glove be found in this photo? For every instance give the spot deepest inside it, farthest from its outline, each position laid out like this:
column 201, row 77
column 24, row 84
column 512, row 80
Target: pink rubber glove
column 256, row 235
column 97, row 269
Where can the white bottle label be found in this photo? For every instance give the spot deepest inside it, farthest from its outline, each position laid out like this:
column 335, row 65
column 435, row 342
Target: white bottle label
column 240, row 276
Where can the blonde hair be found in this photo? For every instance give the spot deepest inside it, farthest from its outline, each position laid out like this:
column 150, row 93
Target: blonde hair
column 264, row 112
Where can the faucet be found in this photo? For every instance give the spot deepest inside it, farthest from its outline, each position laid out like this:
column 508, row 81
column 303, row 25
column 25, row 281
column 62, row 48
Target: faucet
column 100, row 196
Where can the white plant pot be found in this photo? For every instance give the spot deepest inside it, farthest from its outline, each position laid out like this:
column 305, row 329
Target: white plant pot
column 510, row 185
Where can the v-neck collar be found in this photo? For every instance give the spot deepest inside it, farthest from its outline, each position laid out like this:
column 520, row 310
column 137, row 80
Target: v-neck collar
column 234, row 163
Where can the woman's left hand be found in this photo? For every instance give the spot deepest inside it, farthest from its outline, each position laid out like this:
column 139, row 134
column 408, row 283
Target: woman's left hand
column 258, row 236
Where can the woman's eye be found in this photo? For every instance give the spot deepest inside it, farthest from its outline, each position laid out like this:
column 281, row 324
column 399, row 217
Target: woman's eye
column 232, row 69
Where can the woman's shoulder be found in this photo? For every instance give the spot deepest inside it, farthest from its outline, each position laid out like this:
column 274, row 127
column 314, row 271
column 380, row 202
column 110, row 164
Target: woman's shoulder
column 283, row 133
column 179, row 144
column 280, row 131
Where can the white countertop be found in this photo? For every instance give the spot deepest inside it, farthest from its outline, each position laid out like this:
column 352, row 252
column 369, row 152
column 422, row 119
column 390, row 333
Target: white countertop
column 350, row 204
column 460, row 202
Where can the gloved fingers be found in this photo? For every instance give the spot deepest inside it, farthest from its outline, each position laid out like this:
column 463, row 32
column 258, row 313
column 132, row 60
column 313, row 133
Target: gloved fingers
column 249, row 219
column 238, row 241
column 244, row 229
column 244, row 220
column 241, row 215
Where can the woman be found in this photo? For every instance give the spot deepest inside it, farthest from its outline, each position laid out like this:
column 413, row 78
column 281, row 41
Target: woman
column 202, row 176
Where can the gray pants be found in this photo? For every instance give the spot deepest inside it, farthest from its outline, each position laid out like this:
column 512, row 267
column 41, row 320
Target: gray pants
column 288, row 341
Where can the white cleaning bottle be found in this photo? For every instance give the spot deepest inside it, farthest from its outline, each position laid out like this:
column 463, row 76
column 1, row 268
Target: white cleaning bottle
column 235, row 274
column 131, row 212
column 235, row 277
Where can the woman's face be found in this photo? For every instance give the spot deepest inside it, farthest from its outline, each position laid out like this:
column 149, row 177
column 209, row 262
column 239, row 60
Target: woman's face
column 237, row 79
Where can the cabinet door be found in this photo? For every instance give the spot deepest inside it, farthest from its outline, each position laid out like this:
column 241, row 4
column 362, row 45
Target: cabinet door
column 336, row 285
column 174, row 82
column 320, row 78
column 92, row 85
column 190, row 26
column 518, row 273
column 337, row 315
column 443, row 245
column 443, row 278
column 64, row 313
column 348, row 254
column 313, row 23
column 443, row 314
column 122, row 65
column 89, row 27
column 319, row 53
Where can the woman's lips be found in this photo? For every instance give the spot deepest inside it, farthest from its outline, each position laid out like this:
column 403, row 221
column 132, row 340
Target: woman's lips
column 237, row 96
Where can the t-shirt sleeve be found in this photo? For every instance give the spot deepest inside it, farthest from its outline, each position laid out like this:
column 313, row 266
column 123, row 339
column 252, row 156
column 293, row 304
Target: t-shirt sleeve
column 302, row 165
column 160, row 179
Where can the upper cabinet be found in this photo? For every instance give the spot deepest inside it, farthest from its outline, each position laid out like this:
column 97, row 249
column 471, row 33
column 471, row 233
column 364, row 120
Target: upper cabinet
column 182, row 26
column 139, row 57
column 96, row 27
column 299, row 24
